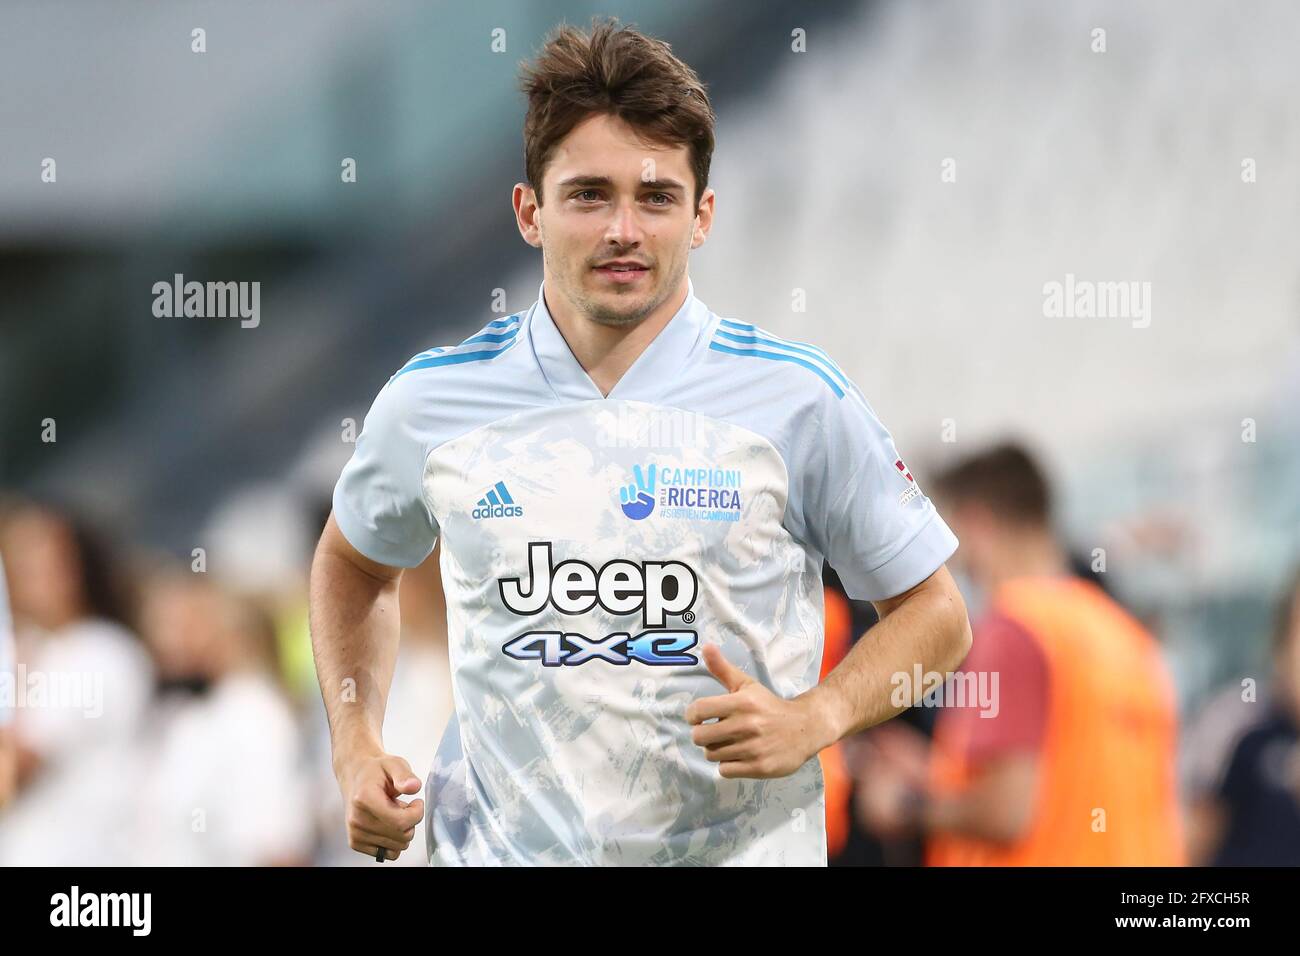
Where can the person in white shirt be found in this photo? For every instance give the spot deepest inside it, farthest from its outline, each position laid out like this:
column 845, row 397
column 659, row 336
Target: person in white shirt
column 221, row 776
column 82, row 685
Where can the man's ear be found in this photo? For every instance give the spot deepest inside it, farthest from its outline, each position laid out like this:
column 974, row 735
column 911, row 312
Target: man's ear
column 527, row 214
column 704, row 219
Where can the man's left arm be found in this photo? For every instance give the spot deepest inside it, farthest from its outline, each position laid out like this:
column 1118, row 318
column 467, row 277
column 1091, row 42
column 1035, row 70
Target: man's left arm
column 856, row 503
column 759, row 734
column 926, row 625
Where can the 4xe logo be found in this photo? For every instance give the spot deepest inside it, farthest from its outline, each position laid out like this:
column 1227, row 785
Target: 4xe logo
column 656, row 589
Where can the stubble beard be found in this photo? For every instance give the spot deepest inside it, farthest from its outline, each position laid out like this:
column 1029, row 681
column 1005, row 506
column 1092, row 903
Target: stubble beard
column 615, row 318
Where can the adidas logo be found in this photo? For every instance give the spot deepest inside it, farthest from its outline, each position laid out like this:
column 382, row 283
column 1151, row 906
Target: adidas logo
column 497, row 503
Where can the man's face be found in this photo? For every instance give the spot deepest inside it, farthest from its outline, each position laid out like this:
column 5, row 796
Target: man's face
column 618, row 220
column 45, row 577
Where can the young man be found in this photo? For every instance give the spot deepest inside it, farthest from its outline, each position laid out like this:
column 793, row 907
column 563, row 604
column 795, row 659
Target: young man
column 1073, row 764
column 634, row 498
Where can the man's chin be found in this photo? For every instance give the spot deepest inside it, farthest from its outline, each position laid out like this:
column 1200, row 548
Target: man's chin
column 619, row 310
column 619, row 306
column 619, row 318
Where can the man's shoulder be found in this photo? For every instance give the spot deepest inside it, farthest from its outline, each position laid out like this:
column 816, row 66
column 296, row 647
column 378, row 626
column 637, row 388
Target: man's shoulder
column 486, row 369
column 999, row 634
column 787, row 389
column 444, row 392
column 750, row 351
column 481, row 354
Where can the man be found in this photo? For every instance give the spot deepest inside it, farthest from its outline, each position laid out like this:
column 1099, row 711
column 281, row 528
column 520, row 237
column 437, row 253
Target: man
column 634, row 498
column 1074, row 761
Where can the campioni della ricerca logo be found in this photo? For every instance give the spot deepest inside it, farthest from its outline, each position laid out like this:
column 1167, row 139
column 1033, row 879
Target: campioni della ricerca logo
column 691, row 493
column 638, row 498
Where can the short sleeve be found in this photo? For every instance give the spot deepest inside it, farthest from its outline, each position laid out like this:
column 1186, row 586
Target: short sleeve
column 1017, row 721
column 864, row 509
column 379, row 501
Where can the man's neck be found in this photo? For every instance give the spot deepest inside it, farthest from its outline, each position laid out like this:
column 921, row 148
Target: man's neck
column 607, row 352
column 1032, row 554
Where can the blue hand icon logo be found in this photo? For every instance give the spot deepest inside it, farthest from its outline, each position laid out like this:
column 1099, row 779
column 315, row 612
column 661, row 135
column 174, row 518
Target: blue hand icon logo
column 639, row 499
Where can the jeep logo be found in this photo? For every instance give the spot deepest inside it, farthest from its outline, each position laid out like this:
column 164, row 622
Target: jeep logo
column 655, row 588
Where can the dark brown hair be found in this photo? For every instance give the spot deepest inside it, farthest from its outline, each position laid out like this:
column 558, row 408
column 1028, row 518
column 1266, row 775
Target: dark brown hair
column 1006, row 479
column 618, row 71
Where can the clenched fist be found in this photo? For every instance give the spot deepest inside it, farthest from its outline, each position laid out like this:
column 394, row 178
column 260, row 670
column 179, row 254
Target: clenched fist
column 375, row 817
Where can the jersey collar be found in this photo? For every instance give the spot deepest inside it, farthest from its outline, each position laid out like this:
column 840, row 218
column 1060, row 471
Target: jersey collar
column 661, row 362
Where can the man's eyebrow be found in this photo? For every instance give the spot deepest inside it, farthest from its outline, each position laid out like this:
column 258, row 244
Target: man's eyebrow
column 665, row 184
column 590, row 181
column 582, row 180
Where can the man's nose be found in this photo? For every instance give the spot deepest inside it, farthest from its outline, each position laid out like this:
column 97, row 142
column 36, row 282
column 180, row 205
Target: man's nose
column 624, row 227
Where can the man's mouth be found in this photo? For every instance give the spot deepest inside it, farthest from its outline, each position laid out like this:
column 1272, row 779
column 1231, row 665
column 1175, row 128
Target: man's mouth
column 622, row 271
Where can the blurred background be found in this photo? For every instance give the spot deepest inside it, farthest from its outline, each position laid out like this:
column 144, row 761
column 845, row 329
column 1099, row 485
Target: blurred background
column 899, row 183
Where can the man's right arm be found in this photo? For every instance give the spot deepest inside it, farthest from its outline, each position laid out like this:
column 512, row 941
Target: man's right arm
column 354, row 632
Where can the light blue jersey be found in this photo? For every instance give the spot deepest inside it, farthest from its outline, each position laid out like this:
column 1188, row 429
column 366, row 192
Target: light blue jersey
column 592, row 545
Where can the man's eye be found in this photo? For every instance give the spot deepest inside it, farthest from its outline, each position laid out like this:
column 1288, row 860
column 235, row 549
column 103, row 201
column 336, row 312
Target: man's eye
column 587, row 193
column 664, row 196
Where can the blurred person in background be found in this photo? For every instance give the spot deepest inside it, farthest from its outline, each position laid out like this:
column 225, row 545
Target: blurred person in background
column 84, row 681
column 8, row 748
column 838, row 639
column 1210, row 739
column 222, row 780
column 1250, row 816
column 1074, row 764
column 420, row 705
